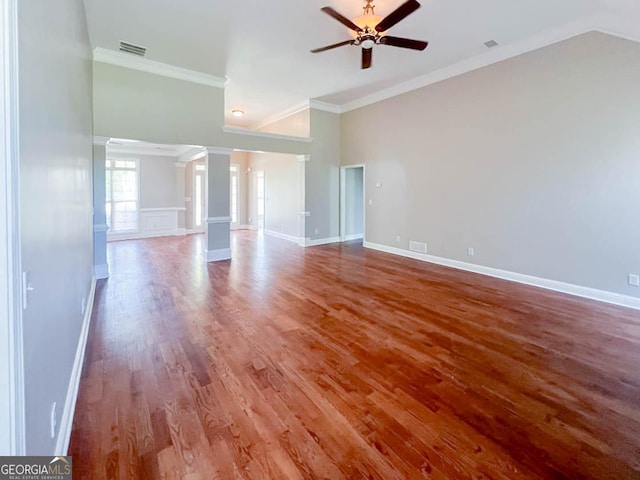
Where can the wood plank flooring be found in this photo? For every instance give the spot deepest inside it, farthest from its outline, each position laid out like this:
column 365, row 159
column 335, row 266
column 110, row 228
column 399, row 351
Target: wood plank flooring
column 338, row 362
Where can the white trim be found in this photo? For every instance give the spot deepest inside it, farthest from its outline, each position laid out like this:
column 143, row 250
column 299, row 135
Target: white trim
column 133, row 62
column 304, row 214
column 218, row 151
column 241, row 227
column 66, row 422
column 190, row 157
column 180, row 164
column 577, row 290
column 12, row 403
column 100, row 141
column 325, row 106
column 270, row 120
column 304, row 158
column 495, row 55
column 273, row 136
column 163, row 209
column 283, row 236
column 353, row 236
column 100, row 227
column 307, row 242
column 101, row 271
column 177, row 232
column 217, row 220
column 297, row 108
column 137, row 151
column 218, row 255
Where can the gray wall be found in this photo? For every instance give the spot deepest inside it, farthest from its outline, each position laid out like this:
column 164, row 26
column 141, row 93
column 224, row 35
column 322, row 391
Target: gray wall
column 159, row 186
column 532, row 161
column 322, row 177
column 282, row 191
column 56, row 200
column 354, row 201
column 143, row 106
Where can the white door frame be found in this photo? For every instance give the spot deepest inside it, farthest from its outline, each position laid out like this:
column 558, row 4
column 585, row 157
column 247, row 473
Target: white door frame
column 343, row 196
column 12, row 438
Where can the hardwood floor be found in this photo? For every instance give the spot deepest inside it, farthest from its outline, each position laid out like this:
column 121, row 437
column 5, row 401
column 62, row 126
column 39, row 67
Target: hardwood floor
column 339, row 362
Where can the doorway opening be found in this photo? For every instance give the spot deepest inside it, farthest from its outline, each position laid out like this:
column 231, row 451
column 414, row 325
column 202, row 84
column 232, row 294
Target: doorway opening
column 352, row 208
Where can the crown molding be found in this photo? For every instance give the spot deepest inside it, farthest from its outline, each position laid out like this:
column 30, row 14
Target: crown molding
column 273, row 136
column 297, row 108
column 616, row 25
column 103, row 55
column 150, row 152
column 325, row 106
column 218, row 150
column 191, row 156
column 100, row 141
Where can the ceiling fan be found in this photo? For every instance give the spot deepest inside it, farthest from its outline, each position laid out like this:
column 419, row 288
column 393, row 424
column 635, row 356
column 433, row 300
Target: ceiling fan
column 369, row 30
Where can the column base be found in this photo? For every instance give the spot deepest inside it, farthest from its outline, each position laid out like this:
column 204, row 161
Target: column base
column 101, row 271
column 218, row 255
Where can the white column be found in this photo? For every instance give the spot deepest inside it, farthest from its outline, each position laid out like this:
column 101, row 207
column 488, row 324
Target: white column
column 303, row 213
column 100, row 227
column 218, row 220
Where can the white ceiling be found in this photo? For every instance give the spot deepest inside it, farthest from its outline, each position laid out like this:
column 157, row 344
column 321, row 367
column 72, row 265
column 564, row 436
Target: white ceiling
column 263, row 47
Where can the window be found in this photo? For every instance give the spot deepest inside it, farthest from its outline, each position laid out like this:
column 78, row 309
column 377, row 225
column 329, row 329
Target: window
column 233, row 169
column 122, row 195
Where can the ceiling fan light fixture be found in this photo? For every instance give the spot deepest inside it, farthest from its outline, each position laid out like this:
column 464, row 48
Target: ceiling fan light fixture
column 368, row 43
column 237, row 113
column 367, row 21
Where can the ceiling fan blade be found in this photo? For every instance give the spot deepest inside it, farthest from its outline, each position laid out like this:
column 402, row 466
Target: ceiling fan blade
column 366, row 57
column 398, row 14
column 343, row 20
column 335, row 45
column 403, row 42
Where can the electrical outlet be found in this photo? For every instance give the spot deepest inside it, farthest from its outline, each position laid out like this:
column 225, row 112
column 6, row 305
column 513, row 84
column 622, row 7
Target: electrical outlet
column 398, row 238
column 370, row 201
column 53, row 420
column 316, row 231
column 471, row 252
column 634, row 280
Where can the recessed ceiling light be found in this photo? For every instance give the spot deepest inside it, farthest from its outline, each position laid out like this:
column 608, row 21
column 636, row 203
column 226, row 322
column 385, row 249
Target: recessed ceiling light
column 491, row 44
column 237, row 113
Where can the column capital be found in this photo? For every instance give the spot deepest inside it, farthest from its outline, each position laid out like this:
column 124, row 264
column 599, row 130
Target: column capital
column 219, row 150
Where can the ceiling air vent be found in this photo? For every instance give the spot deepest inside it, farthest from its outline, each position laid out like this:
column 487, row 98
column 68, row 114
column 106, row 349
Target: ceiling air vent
column 491, row 44
column 134, row 49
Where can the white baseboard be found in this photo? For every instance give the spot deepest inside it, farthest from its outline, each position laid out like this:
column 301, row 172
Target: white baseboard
column 353, row 236
column 283, row 236
column 241, row 227
column 577, row 290
column 307, row 242
column 101, row 271
column 136, row 236
column 218, row 255
column 66, row 422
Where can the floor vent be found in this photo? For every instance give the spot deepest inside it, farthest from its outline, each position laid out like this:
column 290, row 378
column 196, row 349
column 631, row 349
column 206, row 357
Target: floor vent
column 420, row 247
column 134, row 49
